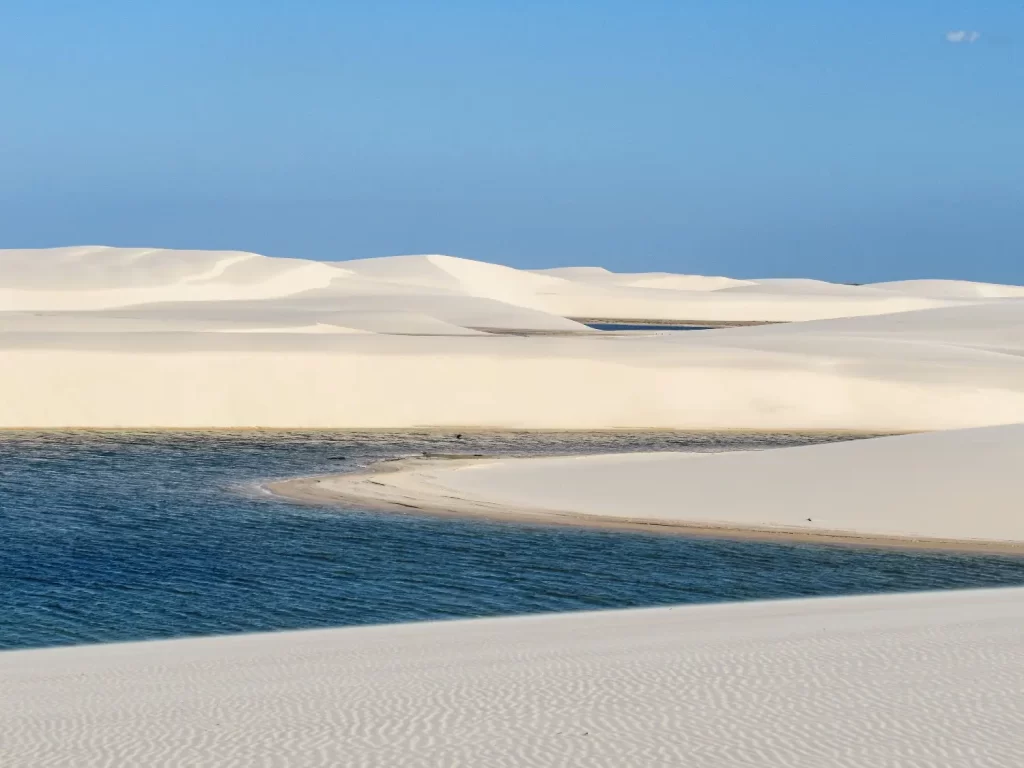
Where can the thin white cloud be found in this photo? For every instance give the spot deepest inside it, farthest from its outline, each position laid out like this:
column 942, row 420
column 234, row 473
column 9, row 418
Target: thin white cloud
column 962, row 36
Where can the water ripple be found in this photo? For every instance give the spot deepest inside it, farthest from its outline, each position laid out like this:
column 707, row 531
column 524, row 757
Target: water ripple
column 113, row 536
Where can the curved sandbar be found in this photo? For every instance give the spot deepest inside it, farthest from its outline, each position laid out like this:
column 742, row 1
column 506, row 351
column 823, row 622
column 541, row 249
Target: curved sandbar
column 944, row 489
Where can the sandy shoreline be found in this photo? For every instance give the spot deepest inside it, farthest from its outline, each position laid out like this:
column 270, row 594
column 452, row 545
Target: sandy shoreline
column 374, row 488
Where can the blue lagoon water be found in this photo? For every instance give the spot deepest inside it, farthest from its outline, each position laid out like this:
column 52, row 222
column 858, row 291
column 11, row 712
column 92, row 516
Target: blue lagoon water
column 630, row 327
column 108, row 536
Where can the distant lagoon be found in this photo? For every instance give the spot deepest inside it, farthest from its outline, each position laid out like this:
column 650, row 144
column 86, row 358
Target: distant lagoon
column 111, row 536
column 651, row 327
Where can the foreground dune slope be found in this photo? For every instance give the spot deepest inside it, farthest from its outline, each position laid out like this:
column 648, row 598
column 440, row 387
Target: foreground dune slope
column 960, row 485
column 922, row 679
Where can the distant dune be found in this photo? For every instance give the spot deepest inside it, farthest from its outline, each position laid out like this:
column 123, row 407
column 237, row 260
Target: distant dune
column 117, row 337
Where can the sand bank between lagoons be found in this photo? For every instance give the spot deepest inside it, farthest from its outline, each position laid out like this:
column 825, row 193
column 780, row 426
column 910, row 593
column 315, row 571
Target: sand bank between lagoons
column 956, row 489
column 896, row 680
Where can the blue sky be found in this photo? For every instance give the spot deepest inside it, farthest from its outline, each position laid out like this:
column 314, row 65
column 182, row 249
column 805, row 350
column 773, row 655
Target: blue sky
column 843, row 140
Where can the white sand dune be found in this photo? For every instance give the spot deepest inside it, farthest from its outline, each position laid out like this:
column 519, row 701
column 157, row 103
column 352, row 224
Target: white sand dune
column 997, row 327
column 802, row 286
column 602, row 294
column 469, row 312
column 460, row 277
column 953, row 486
column 928, row 679
column 109, row 337
column 697, row 297
column 373, row 380
column 754, row 303
column 135, row 280
column 129, row 321
column 959, row 289
column 97, row 277
column 665, row 280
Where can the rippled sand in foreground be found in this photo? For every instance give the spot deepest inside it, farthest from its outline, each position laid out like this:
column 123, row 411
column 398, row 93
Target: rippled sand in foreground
column 924, row 679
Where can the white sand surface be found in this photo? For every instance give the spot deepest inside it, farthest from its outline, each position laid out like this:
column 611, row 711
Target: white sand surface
column 176, row 379
column 95, row 277
column 997, row 327
column 898, row 681
column 768, row 379
column 602, row 276
column 108, row 337
column 945, row 486
column 188, row 284
column 952, row 289
column 805, row 287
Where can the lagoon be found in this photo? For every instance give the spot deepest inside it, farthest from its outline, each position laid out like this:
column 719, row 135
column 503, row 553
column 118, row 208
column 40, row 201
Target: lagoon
column 113, row 536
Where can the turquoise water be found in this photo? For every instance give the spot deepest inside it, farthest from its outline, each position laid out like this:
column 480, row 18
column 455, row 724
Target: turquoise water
column 121, row 536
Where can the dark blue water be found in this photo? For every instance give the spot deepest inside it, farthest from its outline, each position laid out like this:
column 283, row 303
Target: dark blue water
column 628, row 327
column 121, row 536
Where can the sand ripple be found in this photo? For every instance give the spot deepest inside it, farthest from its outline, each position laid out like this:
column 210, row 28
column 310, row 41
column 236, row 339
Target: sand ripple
column 908, row 680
